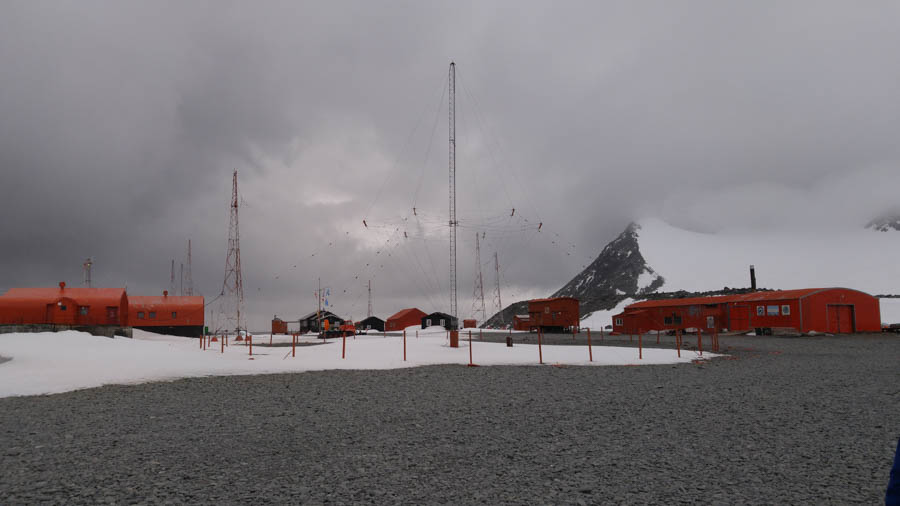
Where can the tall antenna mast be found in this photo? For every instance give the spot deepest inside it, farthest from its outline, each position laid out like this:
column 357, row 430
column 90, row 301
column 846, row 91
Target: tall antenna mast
column 478, row 303
column 181, row 279
column 453, row 222
column 233, row 287
column 369, row 315
column 187, row 273
column 172, row 279
column 86, row 267
column 497, row 289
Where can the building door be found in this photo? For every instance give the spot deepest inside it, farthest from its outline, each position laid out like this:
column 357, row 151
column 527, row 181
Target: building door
column 840, row 319
column 112, row 315
column 740, row 317
column 710, row 322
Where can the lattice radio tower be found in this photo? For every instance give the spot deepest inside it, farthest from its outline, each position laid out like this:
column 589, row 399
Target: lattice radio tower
column 233, row 287
column 497, row 288
column 478, row 302
column 370, row 312
column 453, row 222
column 188, row 279
column 86, row 271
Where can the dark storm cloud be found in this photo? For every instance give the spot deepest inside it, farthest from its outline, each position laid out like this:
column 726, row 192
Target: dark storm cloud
column 120, row 125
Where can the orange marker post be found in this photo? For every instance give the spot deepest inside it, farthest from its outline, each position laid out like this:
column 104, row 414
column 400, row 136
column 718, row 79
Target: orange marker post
column 344, row 345
column 699, row 343
column 678, row 341
column 590, row 352
column 540, row 351
column 222, row 342
column 294, row 346
column 250, row 339
column 471, row 364
column 640, row 345
column 404, row 344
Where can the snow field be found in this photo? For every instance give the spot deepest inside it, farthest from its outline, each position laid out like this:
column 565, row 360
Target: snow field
column 45, row 363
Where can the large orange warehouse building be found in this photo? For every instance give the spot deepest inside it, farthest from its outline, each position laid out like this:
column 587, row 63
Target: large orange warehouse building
column 404, row 318
column 834, row 310
column 167, row 314
column 65, row 307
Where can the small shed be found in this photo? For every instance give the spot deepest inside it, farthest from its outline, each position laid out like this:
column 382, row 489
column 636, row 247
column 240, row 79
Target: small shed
column 555, row 314
column 521, row 322
column 440, row 319
column 279, row 326
column 470, row 323
column 404, row 318
column 370, row 323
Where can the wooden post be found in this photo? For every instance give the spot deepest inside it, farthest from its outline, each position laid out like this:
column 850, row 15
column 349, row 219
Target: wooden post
column 480, row 336
column 540, row 351
column 640, row 345
column 250, row 338
column 417, row 333
column 404, row 344
column 716, row 340
column 590, row 352
column 471, row 364
column 294, row 346
column 223, row 345
column 344, row 345
column 699, row 343
column 270, row 339
column 678, row 341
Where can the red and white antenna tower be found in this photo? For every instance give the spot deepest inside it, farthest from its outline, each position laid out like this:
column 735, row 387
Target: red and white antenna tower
column 233, row 287
column 497, row 288
column 478, row 302
column 188, row 279
column 453, row 222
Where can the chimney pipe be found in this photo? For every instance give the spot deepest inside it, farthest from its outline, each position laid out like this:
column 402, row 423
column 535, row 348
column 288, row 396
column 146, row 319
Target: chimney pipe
column 62, row 285
column 752, row 277
column 165, row 293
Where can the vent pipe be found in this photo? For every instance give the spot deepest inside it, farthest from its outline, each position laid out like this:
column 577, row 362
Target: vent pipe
column 752, row 277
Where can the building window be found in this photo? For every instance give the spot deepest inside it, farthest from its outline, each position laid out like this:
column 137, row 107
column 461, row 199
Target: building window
column 174, row 315
column 547, row 310
column 82, row 310
column 62, row 307
column 786, row 310
column 667, row 320
column 140, row 315
column 619, row 322
column 677, row 319
column 428, row 322
column 771, row 310
column 368, row 327
column 442, row 323
column 152, row 314
column 760, row 310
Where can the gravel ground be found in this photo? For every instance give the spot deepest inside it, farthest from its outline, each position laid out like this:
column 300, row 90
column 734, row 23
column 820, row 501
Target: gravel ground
column 783, row 420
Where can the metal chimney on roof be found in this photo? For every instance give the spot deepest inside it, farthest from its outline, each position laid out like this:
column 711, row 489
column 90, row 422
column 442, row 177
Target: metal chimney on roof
column 752, row 277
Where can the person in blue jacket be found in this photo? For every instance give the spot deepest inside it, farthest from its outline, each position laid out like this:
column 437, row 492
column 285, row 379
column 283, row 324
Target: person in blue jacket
column 892, row 497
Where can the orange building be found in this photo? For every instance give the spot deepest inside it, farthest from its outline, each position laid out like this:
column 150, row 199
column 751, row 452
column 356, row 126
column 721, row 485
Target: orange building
column 64, row 307
column 167, row 314
column 556, row 314
column 404, row 318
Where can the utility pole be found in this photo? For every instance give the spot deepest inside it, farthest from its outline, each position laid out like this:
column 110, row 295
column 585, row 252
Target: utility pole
column 172, row 279
column 478, row 303
column 497, row 289
column 453, row 222
column 370, row 312
column 319, row 308
column 181, row 280
column 86, row 268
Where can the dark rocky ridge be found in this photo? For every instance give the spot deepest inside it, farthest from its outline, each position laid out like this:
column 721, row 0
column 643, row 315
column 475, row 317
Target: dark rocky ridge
column 885, row 223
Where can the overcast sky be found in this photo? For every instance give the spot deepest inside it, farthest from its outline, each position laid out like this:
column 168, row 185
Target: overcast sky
column 121, row 123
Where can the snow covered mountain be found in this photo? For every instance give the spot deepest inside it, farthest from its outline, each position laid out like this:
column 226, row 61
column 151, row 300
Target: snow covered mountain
column 620, row 271
column 885, row 223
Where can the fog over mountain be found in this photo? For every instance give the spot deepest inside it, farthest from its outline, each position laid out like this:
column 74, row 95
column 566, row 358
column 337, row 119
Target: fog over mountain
column 121, row 123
